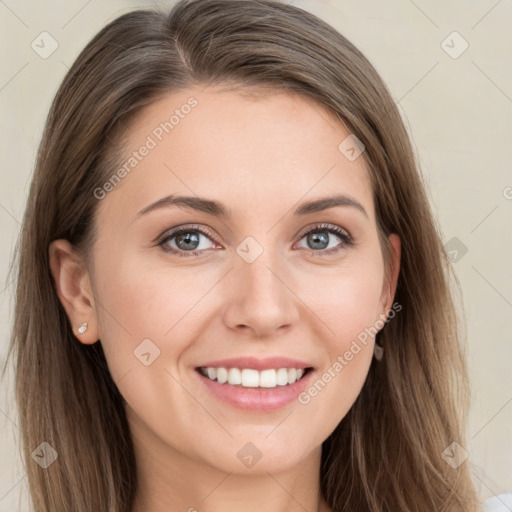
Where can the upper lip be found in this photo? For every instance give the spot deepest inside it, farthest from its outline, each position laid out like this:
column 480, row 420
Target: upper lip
column 258, row 364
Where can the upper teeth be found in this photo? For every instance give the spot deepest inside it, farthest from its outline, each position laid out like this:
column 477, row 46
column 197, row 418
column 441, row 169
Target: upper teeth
column 253, row 378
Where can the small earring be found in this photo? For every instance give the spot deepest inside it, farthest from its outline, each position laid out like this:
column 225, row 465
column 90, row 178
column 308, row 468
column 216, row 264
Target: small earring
column 82, row 328
column 378, row 351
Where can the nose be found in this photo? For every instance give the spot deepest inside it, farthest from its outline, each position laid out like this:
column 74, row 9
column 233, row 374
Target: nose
column 260, row 300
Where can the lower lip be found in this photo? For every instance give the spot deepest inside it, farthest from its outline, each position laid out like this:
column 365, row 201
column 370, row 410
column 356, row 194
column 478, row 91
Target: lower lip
column 257, row 399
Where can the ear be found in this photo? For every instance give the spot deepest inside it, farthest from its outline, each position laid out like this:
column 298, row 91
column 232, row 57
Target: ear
column 73, row 287
column 389, row 285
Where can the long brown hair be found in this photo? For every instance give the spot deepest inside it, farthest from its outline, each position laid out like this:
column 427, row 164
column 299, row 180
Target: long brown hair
column 386, row 455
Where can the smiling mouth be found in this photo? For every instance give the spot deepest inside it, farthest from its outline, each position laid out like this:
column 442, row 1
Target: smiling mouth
column 251, row 378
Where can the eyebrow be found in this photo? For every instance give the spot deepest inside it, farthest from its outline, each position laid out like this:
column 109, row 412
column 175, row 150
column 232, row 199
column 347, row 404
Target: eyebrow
column 217, row 209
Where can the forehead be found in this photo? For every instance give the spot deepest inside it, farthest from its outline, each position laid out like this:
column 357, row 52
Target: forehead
column 264, row 150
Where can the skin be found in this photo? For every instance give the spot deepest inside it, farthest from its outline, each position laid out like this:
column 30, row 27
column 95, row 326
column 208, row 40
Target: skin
column 260, row 157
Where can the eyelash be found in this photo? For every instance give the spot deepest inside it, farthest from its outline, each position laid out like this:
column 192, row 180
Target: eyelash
column 348, row 241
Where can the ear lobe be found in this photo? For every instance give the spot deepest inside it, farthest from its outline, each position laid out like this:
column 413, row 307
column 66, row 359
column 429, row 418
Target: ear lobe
column 73, row 288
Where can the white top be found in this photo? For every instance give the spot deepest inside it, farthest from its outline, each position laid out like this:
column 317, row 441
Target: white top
column 499, row 503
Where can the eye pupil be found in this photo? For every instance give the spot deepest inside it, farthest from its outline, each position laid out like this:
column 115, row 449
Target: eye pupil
column 321, row 238
column 188, row 238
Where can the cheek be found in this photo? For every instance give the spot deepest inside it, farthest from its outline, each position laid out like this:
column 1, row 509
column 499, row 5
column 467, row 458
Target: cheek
column 346, row 302
column 347, row 306
column 330, row 397
column 349, row 309
column 148, row 299
column 138, row 302
column 147, row 315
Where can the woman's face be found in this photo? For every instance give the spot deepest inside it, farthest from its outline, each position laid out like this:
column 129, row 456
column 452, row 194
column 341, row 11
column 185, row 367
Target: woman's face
column 254, row 285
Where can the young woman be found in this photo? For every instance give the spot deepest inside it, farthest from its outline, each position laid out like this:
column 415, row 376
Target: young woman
column 232, row 290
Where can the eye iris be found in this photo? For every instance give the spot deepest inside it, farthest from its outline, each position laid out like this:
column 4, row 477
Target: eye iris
column 188, row 238
column 322, row 238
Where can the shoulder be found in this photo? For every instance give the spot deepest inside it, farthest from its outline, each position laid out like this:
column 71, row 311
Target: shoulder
column 499, row 503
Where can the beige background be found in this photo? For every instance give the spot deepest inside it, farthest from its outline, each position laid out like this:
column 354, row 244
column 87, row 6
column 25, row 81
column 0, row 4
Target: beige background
column 459, row 112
